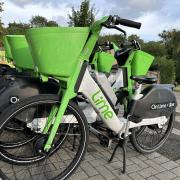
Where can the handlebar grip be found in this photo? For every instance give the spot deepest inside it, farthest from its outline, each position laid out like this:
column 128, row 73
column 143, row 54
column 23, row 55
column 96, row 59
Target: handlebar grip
column 130, row 23
column 125, row 22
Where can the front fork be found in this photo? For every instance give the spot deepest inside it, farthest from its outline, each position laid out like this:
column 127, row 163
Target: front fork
column 57, row 112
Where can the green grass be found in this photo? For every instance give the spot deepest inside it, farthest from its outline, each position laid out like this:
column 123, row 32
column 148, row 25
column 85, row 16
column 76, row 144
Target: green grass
column 177, row 88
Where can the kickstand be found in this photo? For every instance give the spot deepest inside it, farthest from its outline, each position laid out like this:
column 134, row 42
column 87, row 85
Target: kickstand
column 123, row 144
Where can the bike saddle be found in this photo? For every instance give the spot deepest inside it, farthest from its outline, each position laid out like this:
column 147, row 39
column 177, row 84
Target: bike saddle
column 144, row 79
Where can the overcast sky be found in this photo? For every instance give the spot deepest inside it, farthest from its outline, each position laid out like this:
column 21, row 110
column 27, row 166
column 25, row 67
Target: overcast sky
column 155, row 15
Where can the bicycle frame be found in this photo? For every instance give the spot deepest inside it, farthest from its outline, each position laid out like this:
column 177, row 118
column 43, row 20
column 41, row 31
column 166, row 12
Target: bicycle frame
column 81, row 81
column 102, row 107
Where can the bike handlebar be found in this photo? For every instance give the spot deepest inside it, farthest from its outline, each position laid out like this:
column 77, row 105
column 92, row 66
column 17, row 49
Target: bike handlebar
column 125, row 22
column 127, row 44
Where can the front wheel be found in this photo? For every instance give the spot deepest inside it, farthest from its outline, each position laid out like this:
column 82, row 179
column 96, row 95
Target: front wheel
column 69, row 144
column 147, row 139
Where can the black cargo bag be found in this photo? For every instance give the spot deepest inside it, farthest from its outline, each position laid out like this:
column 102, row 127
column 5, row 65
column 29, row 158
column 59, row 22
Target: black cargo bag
column 13, row 89
column 158, row 100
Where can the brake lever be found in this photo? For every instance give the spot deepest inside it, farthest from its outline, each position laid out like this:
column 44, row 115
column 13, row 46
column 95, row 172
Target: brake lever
column 138, row 45
column 114, row 27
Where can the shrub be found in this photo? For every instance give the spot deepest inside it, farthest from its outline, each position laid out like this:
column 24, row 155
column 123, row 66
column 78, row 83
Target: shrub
column 167, row 69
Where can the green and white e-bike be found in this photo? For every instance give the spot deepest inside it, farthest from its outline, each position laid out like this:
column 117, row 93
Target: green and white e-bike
column 62, row 129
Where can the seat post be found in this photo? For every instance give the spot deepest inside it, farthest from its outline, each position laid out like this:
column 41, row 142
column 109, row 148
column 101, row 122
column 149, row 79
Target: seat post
column 137, row 95
column 138, row 88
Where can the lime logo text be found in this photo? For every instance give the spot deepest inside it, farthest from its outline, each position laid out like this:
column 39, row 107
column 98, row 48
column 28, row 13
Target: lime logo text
column 101, row 103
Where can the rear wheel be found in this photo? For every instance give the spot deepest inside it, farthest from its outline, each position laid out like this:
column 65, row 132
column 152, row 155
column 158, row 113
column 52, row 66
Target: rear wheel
column 147, row 139
column 29, row 161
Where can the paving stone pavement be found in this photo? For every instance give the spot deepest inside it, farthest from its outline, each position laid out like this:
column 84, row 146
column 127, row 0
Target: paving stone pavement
column 153, row 166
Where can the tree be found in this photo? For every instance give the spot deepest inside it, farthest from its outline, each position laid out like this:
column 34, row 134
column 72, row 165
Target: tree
column 83, row 17
column 40, row 21
column 17, row 28
column 2, row 29
column 135, row 37
column 51, row 23
column 116, row 38
column 36, row 21
column 171, row 39
column 167, row 70
column 176, row 53
column 155, row 48
column 167, row 37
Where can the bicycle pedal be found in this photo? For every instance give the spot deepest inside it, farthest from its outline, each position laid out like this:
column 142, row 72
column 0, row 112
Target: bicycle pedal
column 105, row 142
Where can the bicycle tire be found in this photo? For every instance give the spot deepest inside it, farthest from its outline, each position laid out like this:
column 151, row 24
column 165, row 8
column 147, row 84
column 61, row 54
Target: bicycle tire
column 14, row 109
column 140, row 147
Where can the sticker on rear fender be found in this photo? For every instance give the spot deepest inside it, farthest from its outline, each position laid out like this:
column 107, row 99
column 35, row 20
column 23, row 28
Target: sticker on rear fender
column 163, row 105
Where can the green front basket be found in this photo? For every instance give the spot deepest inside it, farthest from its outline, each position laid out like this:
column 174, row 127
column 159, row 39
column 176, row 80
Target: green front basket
column 105, row 62
column 56, row 50
column 20, row 52
column 141, row 63
column 7, row 49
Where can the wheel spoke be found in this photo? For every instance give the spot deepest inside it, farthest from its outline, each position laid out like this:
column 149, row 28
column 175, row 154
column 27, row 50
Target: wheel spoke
column 152, row 137
column 29, row 161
